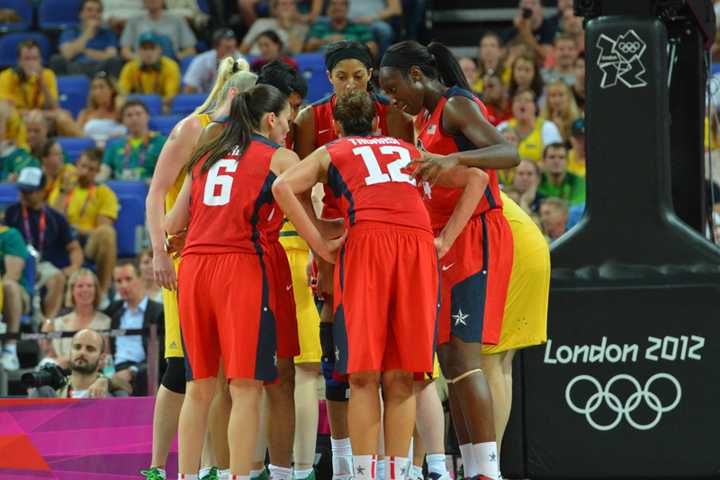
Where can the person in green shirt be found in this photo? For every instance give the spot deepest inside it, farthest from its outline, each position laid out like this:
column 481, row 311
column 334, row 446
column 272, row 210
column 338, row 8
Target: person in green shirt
column 16, row 298
column 134, row 156
column 556, row 180
column 14, row 159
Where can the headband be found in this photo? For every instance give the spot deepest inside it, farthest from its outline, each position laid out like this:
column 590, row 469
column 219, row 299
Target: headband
column 350, row 52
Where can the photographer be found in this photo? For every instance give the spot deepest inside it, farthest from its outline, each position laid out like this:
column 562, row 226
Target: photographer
column 532, row 28
column 85, row 380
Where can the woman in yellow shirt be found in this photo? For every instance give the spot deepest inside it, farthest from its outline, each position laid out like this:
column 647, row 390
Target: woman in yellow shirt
column 533, row 132
column 56, row 170
column 561, row 108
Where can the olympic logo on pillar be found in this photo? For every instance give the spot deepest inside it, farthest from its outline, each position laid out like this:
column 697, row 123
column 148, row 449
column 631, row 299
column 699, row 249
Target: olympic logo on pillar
column 603, row 397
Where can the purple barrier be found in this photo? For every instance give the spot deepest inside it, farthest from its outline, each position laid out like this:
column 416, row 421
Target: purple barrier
column 67, row 439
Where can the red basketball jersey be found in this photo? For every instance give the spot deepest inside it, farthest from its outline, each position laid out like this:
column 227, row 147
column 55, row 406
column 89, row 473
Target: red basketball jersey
column 367, row 179
column 325, row 133
column 232, row 201
column 441, row 201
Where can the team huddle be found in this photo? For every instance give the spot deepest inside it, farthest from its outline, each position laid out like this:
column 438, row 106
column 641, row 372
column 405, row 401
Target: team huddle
column 420, row 261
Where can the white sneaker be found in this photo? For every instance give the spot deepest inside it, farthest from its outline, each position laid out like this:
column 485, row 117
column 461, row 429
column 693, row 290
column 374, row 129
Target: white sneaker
column 10, row 361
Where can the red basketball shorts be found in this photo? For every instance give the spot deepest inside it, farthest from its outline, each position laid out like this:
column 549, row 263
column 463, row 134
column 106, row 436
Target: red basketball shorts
column 475, row 276
column 386, row 300
column 225, row 314
column 282, row 300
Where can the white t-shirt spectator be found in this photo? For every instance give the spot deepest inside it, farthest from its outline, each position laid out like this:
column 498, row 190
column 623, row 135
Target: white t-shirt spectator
column 122, row 9
column 202, row 71
column 175, row 28
column 366, row 8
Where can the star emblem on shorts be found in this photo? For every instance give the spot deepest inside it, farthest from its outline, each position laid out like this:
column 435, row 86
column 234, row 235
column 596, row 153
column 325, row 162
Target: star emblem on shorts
column 360, row 470
column 460, row 317
column 337, row 354
column 493, row 457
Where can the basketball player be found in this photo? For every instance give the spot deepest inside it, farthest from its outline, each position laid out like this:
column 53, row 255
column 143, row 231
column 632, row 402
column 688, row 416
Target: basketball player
column 387, row 224
column 233, row 77
column 307, row 363
column 226, row 296
column 474, row 280
column 349, row 68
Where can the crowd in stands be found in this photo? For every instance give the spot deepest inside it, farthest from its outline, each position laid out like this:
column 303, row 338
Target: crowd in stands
column 140, row 56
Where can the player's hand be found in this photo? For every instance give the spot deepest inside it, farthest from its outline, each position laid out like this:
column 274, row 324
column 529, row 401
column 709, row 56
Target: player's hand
column 164, row 270
column 442, row 246
column 175, row 244
column 331, row 248
column 429, row 167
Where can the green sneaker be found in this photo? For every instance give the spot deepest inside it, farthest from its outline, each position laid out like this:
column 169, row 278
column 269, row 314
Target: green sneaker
column 152, row 474
column 213, row 475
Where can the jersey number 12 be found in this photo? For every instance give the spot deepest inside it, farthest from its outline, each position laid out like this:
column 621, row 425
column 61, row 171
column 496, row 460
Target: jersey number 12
column 395, row 173
column 212, row 196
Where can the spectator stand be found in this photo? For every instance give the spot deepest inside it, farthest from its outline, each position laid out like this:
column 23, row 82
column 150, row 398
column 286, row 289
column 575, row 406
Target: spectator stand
column 130, row 224
column 74, row 146
column 58, row 14
column 312, row 66
column 73, row 91
column 186, row 103
column 153, row 102
column 165, row 123
column 24, row 10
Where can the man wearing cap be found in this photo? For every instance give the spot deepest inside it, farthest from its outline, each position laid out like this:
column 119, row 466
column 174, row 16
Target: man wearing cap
column 49, row 237
column 200, row 75
column 151, row 72
column 576, row 156
column 177, row 39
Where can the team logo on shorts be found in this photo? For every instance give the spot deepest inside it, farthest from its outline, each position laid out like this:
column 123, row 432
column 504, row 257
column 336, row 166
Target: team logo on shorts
column 460, row 318
column 660, row 394
column 621, row 60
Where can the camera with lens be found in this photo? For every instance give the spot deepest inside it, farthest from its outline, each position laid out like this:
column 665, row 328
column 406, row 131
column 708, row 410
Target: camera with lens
column 526, row 13
column 50, row 375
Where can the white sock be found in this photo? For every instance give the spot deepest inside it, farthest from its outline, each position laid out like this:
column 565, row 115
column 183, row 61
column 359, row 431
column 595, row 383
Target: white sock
column 342, row 458
column 416, row 473
column 187, row 476
column 365, row 467
column 204, row 471
column 225, row 474
column 471, row 468
column 436, row 463
column 486, row 459
column 302, row 474
column 381, row 469
column 280, row 473
column 398, row 468
column 255, row 473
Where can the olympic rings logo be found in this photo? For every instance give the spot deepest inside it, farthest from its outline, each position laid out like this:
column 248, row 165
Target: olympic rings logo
column 629, row 47
column 644, row 393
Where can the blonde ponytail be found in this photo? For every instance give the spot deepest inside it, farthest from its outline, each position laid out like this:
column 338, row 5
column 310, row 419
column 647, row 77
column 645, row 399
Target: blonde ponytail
column 227, row 68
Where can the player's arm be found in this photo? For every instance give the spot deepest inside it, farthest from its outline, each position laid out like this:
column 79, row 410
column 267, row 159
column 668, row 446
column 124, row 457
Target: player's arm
column 494, row 152
column 174, row 155
column 178, row 217
column 304, row 132
column 299, row 179
column 473, row 181
column 400, row 125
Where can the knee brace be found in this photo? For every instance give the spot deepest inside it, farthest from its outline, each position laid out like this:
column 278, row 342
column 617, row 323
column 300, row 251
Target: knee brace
column 463, row 376
column 174, row 377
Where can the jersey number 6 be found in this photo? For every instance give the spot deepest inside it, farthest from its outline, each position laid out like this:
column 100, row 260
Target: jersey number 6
column 213, row 197
column 394, row 168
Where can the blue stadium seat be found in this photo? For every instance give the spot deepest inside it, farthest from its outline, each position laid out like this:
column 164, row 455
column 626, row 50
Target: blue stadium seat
column 73, row 92
column 312, row 66
column 185, row 63
column 9, row 194
column 185, row 103
column 715, row 68
column 203, row 6
column 130, row 225
column 164, row 123
column 24, row 10
column 9, row 42
column 74, row 146
column 58, row 14
column 152, row 102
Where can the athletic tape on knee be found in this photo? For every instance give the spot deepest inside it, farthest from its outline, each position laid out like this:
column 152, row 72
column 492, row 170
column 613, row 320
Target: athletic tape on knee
column 462, row 376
